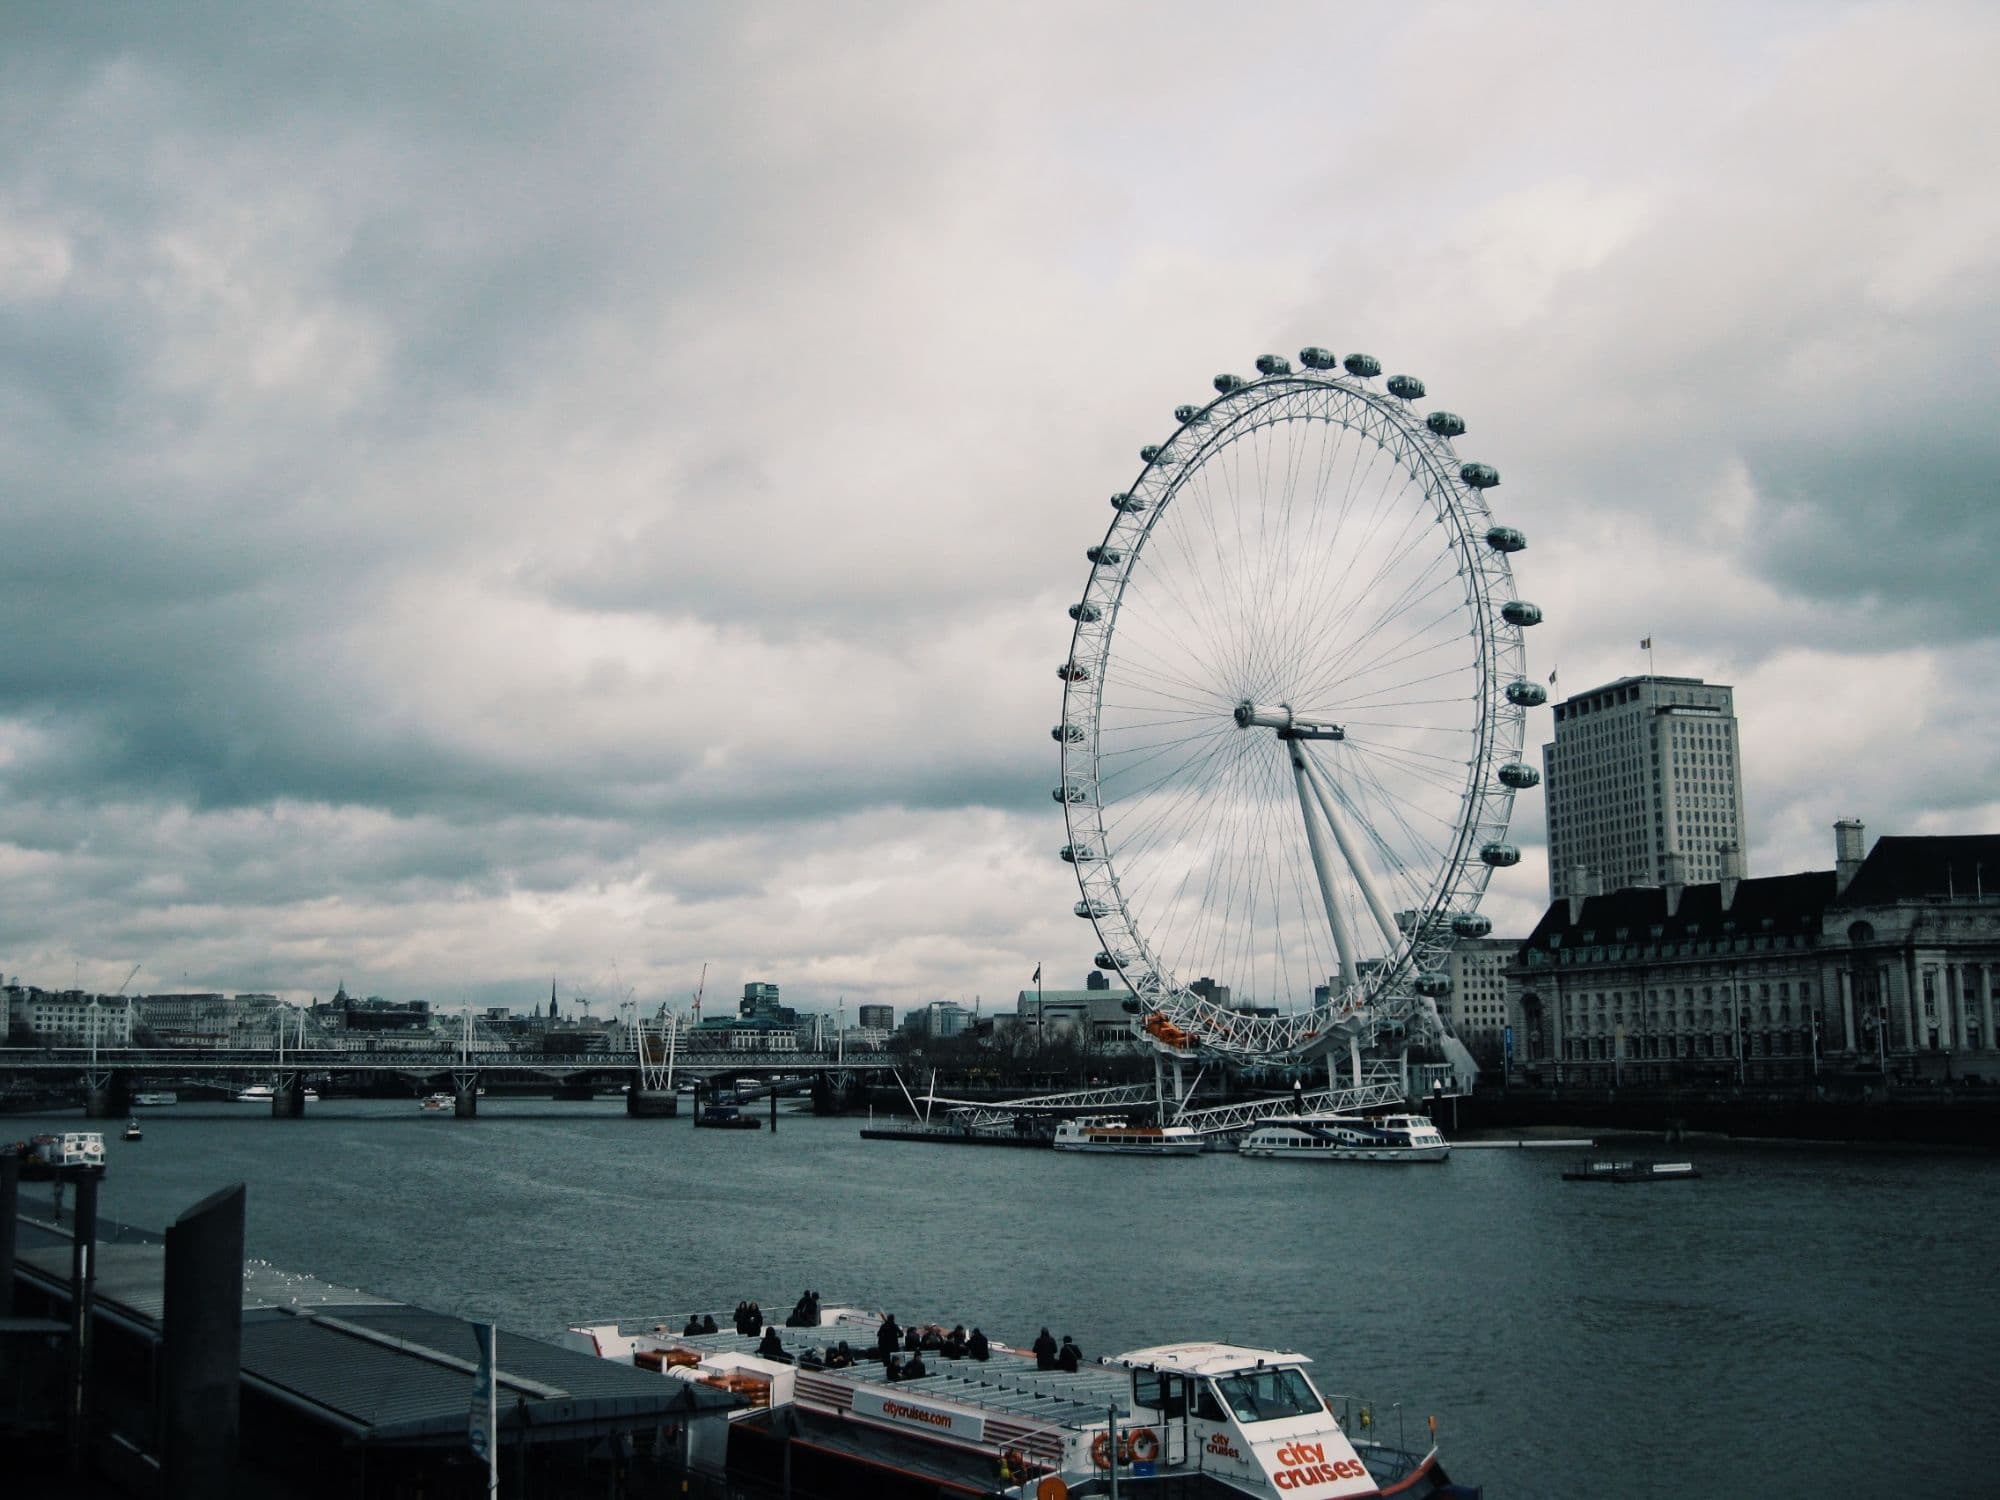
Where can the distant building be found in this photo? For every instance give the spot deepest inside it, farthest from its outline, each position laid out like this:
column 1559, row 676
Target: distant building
column 1480, row 1006
column 1643, row 772
column 880, row 1018
column 1097, row 1018
column 1890, row 961
column 71, row 1018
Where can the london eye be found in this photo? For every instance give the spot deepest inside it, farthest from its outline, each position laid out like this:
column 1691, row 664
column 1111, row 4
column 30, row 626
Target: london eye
column 1293, row 712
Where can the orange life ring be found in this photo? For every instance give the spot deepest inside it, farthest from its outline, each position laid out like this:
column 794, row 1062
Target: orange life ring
column 1100, row 1450
column 1144, row 1446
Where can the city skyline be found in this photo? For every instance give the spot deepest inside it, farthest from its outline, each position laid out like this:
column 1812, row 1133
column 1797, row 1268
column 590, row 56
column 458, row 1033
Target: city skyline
column 490, row 498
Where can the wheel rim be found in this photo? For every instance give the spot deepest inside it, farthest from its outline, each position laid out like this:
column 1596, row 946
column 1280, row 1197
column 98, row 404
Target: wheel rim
column 1304, row 550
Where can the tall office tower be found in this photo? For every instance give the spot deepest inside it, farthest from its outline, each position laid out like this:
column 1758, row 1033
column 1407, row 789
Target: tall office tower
column 1643, row 786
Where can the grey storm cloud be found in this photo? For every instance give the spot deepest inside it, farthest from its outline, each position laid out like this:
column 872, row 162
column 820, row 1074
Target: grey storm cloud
column 487, row 489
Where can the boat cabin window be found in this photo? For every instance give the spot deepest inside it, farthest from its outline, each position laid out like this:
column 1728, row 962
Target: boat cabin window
column 1268, row 1395
column 1165, row 1394
column 1206, row 1406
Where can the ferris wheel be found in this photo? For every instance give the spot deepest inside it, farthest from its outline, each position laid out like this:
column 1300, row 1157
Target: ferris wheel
column 1293, row 711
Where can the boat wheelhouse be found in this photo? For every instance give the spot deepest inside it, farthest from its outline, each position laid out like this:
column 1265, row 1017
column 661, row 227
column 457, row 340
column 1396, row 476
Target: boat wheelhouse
column 1335, row 1137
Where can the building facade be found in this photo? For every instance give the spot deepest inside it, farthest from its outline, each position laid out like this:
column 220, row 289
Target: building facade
column 71, row 1018
column 880, row 1018
column 1643, row 786
column 1482, row 1003
column 1889, row 963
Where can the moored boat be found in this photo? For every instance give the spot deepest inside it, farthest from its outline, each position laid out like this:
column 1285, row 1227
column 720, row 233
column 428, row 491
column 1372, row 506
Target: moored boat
column 155, row 1099
column 1187, row 1419
column 1111, row 1134
column 257, row 1093
column 74, row 1151
column 439, row 1104
column 1633, row 1171
column 726, row 1117
column 1337, row 1137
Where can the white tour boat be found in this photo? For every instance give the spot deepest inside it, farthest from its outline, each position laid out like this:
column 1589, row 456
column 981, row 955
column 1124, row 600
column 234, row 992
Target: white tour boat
column 155, row 1099
column 1110, row 1133
column 1196, row 1419
column 439, row 1104
column 257, row 1093
column 1333, row 1137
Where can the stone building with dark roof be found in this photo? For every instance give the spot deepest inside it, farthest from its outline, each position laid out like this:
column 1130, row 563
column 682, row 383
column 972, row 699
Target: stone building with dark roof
column 1890, row 961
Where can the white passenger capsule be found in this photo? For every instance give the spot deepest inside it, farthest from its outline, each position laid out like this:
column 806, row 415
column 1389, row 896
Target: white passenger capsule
column 1317, row 358
column 1107, row 556
column 1367, row 366
column 1078, row 854
column 1130, row 504
column 1071, row 671
column 1505, row 539
column 1273, row 364
column 1446, row 423
column 1525, row 694
column 1500, row 855
column 1085, row 614
column 1067, row 734
column 1406, row 387
column 1091, row 908
column 1228, row 383
column 1518, row 776
column 1520, row 612
column 1479, row 476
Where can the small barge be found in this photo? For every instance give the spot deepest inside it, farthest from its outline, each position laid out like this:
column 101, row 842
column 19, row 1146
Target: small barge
column 1633, row 1171
column 1195, row 1421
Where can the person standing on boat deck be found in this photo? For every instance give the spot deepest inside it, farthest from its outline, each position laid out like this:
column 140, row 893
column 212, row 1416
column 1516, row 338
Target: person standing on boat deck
column 1045, row 1350
column 708, row 1323
column 976, row 1346
column 1068, row 1357
column 888, row 1338
column 693, row 1325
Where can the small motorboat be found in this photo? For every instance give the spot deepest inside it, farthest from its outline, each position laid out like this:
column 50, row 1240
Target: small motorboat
column 726, row 1117
column 1633, row 1171
column 133, row 1132
column 439, row 1104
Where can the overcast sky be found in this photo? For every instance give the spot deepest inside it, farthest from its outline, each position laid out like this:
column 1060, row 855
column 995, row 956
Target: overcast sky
column 495, row 492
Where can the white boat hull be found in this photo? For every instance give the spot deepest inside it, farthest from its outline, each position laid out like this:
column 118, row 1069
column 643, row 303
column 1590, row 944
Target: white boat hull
column 1350, row 1153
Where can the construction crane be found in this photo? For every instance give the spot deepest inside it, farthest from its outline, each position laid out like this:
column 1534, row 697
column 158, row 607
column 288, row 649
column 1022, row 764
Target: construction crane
column 128, row 979
column 700, row 985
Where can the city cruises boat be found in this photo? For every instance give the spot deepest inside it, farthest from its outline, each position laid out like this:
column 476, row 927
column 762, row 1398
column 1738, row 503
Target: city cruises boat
column 1110, row 1133
column 1334, row 1137
column 155, row 1099
column 439, row 1104
column 74, row 1151
column 726, row 1117
column 133, row 1132
column 257, row 1093
column 1633, row 1171
column 1191, row 1420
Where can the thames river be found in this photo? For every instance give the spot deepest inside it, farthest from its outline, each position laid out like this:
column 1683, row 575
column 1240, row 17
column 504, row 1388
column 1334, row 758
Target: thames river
column 1798, row 1322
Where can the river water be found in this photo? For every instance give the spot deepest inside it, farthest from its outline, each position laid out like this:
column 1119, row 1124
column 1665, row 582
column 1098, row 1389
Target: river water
column 1799, row 1322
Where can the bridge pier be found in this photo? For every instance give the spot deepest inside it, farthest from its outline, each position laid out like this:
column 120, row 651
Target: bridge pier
column 651, row 1104
column 288, row 1100
column 97, row 1102
column 465, row 1099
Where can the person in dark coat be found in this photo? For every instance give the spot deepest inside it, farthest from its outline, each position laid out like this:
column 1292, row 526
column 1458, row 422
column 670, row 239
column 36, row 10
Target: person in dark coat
column 888, row 1338
column 693, row 1325
column 914, row 1368
column 976, row 1346
column 1045, row 1350
column 912, row 1339
column 755, row 1321
column 1068, row 1357
column 708, row 1323
column 892, row 1367
column 954, row 1343
column 773, row 1347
